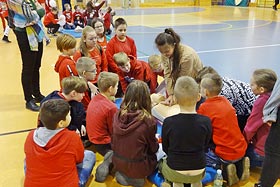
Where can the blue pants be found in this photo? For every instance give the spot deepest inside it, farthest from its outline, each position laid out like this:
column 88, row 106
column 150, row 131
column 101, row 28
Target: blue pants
column 256, row 160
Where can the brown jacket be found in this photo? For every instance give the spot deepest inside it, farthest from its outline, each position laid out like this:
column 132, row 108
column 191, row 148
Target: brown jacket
column 190, row 64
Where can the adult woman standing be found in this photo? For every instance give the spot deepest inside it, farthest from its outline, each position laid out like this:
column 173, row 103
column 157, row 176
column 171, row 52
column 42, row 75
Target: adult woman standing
column 30, row 41
column 177, row 60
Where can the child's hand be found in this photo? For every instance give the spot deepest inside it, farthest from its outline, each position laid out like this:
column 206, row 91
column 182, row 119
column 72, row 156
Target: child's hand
column 93, row 89
column 78, row 132
column 83, row 130
column 169, row 101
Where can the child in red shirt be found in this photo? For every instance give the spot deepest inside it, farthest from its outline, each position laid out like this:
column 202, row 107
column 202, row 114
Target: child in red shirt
column 68, row 17
column 132, row 69
column 51, row 21
column 55, row 156
column 78, row 17
column 3, row 16
column 65, row 66
column 229, row 145
column 89, row 48
column 107, row 20
column 119, row 43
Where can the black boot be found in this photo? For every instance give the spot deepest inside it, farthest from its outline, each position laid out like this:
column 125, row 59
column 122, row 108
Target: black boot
column 31, row 105
column 6, row 39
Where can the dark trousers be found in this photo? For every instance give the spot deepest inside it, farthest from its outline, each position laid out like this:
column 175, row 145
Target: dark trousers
column 276, row 3
column 271, row 165
column 31, row 63
column 54, row 27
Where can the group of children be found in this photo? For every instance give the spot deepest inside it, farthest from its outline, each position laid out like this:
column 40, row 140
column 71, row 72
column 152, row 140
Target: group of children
column 78, row 18
column 205, row 134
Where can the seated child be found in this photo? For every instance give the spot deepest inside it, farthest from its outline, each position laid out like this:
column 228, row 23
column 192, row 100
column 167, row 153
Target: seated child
column 78, row 18
column 238, row 93
column 229, row 145
column 68, row 17
column 99, row 120
column 256, row 131
column 185, row 137
column 86, row 68
column 154, row 62
column 133, row 141
column 51, row 21
column 55, row 156
column 132, row 69
column 65, row 66
column 73, row 89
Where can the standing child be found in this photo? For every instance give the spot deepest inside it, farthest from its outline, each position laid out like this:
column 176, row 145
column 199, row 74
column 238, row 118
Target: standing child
column 256, row 131
column 107, row 20
column 4, row 15
column 228, row 143
column 99, row 120
column 119, row 43
column 89, row 48
column 55, row 156
column 86, row 68
column 271, row 115
column 65, row 66
column 132, row 69
column 133, row 141
column 68, row 17
column 185, row 137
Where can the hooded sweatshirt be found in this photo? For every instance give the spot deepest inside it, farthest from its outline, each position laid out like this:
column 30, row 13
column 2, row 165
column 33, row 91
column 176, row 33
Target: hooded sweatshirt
column 51, row 158
column 134, row 144
column 62, row 69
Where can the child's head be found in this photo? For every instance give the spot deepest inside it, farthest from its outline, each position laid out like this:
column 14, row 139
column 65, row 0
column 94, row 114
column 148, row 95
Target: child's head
column 88, row 40
column 98, row 25
column 108, row 82
column 168, row 42
column 54, row 10
column 137, row 97
column 204, row 71
column 66, row 44
column 211, row 85
column 263, row 81
column 86, row 68
column 74, row 87
column 186, row 91
column 54, row 113
column 89, row 6
column 120, row 28
column 155, row 63
column 77, row 8
column 109, row 9
column 122, row 61
column 67, row 6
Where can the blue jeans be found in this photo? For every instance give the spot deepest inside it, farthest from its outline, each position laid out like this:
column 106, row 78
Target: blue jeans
column 256, row 160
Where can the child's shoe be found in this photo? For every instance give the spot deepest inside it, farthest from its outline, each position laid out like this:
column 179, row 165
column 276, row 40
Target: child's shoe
column 232, row 177
column 246, row 168
column 102, row 171
column 126, row 181
column 6, row 39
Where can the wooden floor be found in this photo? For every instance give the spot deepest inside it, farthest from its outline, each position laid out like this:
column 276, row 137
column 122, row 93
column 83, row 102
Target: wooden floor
column 233, row 40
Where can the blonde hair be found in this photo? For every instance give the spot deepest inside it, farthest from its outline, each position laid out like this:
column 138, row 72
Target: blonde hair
column 84, row 64
column 213, row 83
column 75, row 83
column 154, row 61
column 121, row 58
column 106, row 80
column 186, row 91
column 65, row 42
column 265, row 78
column 83, row 47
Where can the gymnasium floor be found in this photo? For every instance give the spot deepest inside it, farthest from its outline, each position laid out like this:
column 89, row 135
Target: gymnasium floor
column 235, row 41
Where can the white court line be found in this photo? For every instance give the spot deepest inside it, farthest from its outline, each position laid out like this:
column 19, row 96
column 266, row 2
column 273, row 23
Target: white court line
column 230, row 49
